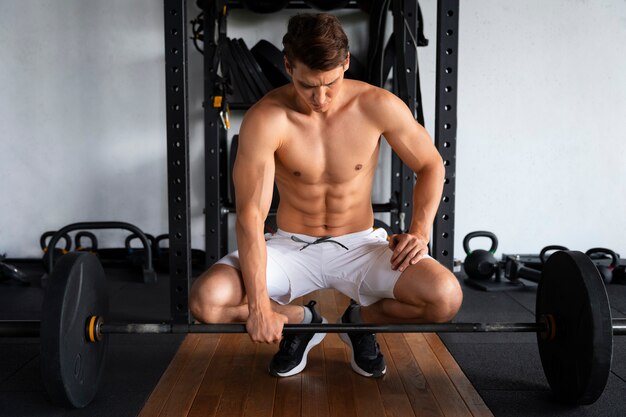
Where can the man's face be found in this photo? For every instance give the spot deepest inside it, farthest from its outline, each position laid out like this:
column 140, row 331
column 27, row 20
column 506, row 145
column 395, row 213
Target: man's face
column 315, row 87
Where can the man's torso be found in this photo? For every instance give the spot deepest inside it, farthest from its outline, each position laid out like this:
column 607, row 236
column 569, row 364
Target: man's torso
column 325, row 166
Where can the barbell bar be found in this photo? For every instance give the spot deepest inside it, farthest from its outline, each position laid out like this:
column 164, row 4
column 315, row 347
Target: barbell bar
column 30, row 328
column 113, row 328
column 573, row 324
column 618, row 326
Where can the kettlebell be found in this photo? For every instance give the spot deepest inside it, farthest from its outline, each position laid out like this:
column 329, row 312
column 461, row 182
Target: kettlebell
column 57, row 253
column 480, row 264
column 136, row 256
column 78, row 239
column 161, row 254
column 605, row 271
column 550, row 248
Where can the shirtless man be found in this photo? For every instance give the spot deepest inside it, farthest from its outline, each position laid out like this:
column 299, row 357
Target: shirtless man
column 318, row 138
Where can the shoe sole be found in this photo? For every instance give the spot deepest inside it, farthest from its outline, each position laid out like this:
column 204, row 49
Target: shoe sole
column 315, row 340
column 355, row 367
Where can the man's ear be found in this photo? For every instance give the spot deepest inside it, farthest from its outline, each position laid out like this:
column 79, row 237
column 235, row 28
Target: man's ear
column 288, row 66
column 346, row 63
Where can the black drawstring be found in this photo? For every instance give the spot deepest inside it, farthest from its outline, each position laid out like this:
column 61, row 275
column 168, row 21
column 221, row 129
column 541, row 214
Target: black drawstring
column 320, row 240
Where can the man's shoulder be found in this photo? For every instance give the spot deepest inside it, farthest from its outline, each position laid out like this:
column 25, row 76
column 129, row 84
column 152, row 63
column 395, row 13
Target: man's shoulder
column 273, row 105
column 370, row 97
column 276, row 99
column 266, row 119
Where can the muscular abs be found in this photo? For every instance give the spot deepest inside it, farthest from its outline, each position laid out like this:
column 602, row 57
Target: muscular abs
column 324, row 177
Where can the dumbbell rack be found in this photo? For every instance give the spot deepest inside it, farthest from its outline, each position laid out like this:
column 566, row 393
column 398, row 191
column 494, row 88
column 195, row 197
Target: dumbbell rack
column 405, row 21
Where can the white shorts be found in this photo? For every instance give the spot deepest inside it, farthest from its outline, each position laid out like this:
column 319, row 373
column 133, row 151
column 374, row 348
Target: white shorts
column 356, row 264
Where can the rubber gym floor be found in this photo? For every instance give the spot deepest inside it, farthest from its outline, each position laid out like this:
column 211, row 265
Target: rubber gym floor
column 504, row 368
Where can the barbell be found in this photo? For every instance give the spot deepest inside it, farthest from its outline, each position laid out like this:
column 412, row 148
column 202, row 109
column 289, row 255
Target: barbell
column 573, row 324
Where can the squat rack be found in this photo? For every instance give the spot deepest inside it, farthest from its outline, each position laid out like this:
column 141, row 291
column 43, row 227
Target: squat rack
column 176, row 83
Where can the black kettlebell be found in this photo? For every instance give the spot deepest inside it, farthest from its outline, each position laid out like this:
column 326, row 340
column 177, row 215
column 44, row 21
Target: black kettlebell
column 162, row 253
column 550, row 248
column 605, row 270
column 57, row 253
column 136, row 256
column 480, row 264
column 78, row 239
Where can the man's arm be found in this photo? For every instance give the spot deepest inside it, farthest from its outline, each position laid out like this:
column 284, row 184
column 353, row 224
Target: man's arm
column 253, row 176
column 412, row 143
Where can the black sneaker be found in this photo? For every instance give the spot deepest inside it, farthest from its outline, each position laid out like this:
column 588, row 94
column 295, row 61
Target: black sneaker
column 294, row 348
column 367, row 360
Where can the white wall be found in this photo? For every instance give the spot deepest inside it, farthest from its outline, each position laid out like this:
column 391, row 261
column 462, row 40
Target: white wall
column 81, row 117
column 542, row 98
column 542, row 93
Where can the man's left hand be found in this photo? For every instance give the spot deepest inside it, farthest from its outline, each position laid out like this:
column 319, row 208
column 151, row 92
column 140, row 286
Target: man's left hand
column 408, row 249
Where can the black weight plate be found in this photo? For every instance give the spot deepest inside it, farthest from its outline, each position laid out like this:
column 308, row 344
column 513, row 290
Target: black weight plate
column 356, row 71
column 244, row 70
column 577, row 361
column 271, row 61
column 71, row 367
column 257, row 72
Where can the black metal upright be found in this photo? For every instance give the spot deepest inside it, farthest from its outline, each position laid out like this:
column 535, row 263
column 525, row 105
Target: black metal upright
column 177, row 156
column 446, row 124
column 215, row 136
column 405, row 29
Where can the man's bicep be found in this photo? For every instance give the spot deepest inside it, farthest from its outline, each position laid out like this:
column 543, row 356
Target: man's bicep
column 253, row 174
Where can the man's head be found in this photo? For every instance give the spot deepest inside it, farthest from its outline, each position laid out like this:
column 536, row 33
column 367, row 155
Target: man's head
column 316, row 40
column 316, row 57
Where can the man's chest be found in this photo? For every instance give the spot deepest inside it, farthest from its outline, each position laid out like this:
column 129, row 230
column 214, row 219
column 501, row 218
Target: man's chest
column 328, row 155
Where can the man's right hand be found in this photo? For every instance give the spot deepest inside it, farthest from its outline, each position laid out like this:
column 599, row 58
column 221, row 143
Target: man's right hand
column 266, row 327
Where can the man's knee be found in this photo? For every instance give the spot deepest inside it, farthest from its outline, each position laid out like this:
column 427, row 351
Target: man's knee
column 434, row 288
column 445, row 299
column 212, row 292
column 201, row 304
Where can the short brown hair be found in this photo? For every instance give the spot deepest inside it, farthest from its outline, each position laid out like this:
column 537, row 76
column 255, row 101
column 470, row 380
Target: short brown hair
column 316, row 40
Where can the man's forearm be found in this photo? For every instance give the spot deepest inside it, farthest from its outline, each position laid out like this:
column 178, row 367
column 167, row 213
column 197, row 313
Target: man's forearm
column 253, row 260
column 427, row 194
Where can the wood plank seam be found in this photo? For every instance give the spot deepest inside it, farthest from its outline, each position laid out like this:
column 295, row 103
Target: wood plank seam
column 260, row 401
column 184, row 392
column 392, row 390
column 209, row 394
column 415, row 384
column 443, row 388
